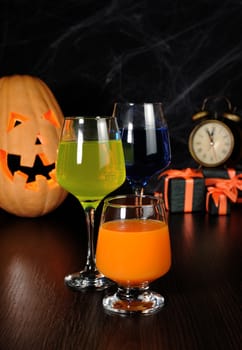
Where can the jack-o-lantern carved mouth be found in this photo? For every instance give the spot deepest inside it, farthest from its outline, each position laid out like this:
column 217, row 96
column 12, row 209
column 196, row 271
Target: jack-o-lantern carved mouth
column 38, row 168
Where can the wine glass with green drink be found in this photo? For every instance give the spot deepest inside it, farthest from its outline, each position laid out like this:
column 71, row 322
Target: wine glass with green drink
column 90, row 165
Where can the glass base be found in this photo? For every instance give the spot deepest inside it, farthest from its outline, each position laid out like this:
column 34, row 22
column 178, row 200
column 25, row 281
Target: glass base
column 133, row 301
column 86, row 280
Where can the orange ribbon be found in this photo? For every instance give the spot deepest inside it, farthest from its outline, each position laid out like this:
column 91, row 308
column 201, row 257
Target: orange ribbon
column 220, row 196
column 233, row 184
column 188, row 175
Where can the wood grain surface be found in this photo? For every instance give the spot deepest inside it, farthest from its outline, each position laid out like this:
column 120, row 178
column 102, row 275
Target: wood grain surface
column 202, row 289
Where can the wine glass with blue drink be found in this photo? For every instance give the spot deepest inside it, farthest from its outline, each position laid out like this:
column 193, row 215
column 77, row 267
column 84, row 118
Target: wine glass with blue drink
column 146, row 142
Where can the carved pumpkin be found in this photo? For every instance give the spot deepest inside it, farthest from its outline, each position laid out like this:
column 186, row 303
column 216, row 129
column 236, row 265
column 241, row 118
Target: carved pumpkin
column 30, row 125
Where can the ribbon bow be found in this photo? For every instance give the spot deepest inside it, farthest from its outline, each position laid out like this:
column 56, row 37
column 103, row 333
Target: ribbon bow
column 236, row 183
column 230, row 186
column 222, row 189
column 220, row 193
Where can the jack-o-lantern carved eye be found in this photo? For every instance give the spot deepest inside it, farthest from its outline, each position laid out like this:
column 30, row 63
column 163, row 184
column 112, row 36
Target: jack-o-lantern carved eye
column 15, row 120
column 51, row 117
column 38, row 139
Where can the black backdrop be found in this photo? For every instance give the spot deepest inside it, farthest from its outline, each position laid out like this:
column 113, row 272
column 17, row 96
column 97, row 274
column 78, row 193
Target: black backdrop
column 93, row 53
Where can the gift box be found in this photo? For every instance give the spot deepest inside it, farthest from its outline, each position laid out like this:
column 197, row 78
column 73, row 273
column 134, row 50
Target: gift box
column 232, row 178
column 217, row 201
column 183, row 190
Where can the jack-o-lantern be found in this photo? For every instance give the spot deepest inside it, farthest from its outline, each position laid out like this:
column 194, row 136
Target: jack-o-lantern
column 30, row 126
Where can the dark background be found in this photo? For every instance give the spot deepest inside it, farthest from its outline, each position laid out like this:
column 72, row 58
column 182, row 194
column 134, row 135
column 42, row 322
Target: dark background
column 93, row 53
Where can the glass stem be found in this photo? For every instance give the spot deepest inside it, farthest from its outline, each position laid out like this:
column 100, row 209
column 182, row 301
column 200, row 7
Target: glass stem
column 90, row 263
column 132, row 293
column 139, row 191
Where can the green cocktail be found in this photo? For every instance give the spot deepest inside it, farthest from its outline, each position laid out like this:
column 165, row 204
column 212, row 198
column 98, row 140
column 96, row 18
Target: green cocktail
column 94, row 171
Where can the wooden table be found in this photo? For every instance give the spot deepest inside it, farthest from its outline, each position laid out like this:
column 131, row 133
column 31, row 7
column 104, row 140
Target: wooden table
column 202, row 289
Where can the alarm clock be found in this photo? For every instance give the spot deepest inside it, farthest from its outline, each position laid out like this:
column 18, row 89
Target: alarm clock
column 215, row 140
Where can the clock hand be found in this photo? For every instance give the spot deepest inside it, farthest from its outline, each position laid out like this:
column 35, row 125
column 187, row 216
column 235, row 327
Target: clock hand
column 212, row 149
column 212, row 143
column 214, row 153
column 210, row 135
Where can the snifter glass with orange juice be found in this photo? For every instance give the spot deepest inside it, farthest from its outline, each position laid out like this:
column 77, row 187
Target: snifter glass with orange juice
column 133, row 249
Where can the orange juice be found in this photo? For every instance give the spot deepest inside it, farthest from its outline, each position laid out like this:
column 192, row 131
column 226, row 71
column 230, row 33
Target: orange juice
column 133, row 251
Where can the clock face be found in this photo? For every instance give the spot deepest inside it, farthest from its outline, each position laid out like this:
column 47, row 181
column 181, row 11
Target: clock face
column 211, row 143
